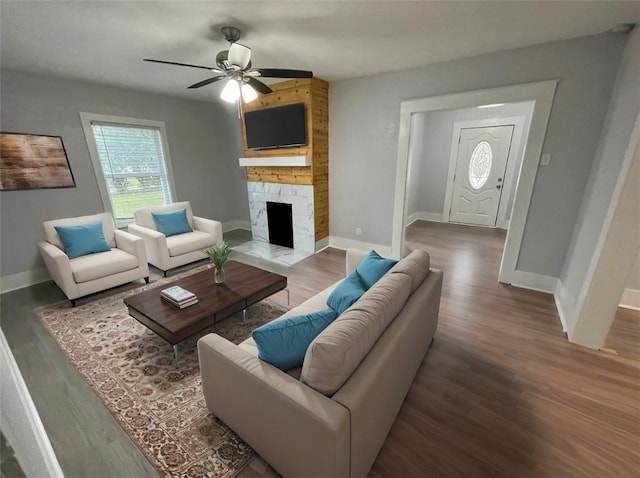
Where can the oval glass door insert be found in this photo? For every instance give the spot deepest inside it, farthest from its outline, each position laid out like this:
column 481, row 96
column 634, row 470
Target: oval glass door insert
column 480, row 165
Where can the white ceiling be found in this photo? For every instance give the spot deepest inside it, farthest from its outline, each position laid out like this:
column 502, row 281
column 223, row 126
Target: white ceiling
column 105, row 41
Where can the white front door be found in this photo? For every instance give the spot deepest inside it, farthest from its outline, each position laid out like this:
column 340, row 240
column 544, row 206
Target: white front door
column 479, row 177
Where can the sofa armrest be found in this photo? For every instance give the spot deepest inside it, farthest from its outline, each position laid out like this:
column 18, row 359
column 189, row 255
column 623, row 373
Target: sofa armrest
column 155, row 242
column 59, row 267
column 354, row 257
column 135, row 246
column 210, row 226
column 273, row 412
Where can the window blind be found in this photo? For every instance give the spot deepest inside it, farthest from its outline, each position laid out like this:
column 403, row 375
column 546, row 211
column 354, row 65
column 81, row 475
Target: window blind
column 134, row 167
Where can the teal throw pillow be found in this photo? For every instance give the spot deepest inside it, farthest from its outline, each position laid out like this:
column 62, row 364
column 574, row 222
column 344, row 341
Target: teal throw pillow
column 347, row 292
column 83, row 239
column 373, row 267
column 283, row 343
column 171, row 223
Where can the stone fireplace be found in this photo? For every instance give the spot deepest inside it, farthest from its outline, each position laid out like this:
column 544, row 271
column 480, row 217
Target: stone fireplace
column 299, row 197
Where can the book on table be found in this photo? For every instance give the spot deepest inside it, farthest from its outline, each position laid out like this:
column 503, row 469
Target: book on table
column 180, row 305
column 179, row 296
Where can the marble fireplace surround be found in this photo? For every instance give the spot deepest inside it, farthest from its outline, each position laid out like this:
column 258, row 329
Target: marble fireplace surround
column 301, row 199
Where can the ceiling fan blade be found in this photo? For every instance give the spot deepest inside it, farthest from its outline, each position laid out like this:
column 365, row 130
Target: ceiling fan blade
column 280, row 73
column 259, row 86
column 239, row 55
column 210, row 68
column 206, row 82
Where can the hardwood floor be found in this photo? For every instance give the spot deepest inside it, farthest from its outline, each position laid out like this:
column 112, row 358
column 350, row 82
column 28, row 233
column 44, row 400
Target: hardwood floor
column 501, row 391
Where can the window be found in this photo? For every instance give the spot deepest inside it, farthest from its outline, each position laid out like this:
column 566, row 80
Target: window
column 131, row 163
column 480, row 165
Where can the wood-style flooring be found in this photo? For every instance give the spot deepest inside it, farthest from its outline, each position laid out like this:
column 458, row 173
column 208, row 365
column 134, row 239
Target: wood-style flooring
column 501, row 391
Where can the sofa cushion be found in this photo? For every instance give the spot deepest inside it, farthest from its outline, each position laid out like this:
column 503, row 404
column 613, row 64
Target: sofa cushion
column 102, row 264
column 82, row 239
column 346, row 293
column 189, row 242
column 373, row 267
column 143, row 217
column 171, row 223
column 415, row 265
column 333, row 356
column 283, row 343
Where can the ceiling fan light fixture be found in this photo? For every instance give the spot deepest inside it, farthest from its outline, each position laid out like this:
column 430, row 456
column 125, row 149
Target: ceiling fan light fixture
column 248, row 93
column 231, row 92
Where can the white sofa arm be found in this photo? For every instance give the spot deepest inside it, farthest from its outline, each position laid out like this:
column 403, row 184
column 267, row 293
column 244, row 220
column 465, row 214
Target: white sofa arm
column 354, row 257
column 209, row 226
column 155, row 243
column 273, row 412
column 59, row 267
column 135, row 246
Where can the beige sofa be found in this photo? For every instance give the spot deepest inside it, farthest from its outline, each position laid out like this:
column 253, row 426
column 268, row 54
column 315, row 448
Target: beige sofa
column 125, row 262
column 330, row 417
column 169, row 252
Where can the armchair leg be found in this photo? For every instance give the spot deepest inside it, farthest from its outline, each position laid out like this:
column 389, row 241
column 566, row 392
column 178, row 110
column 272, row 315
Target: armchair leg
column 165, row 273
column 73, row 302
column 146, row 279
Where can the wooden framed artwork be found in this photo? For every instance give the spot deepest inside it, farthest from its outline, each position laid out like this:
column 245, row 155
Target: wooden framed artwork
column 29, row 161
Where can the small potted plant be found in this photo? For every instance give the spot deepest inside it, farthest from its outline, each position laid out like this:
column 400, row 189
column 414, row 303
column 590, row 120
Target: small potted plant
column 218, row 256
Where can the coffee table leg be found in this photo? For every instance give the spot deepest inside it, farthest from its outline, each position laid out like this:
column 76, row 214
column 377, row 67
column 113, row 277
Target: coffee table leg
column 244, row 315
column 175, row 354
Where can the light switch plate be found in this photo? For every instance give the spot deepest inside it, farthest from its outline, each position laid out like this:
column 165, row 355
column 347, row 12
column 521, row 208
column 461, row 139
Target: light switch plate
column 545, row 160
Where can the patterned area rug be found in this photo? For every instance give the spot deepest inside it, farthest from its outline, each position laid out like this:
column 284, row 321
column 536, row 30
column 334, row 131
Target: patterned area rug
column 159, row 405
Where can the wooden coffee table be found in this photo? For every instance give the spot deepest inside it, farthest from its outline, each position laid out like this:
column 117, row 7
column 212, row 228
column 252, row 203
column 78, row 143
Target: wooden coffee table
column 244, row 285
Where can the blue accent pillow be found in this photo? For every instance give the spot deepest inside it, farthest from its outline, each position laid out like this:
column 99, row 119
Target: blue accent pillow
column 171, row 223
column 83, row 239
column 284, row 343
column 373, row 267
column 347, row 292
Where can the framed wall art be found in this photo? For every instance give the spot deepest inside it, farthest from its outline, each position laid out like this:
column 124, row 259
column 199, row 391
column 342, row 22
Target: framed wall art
column 29, row 161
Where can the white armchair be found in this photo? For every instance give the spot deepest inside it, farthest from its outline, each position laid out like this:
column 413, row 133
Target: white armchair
column 169, row 252
column 87, row 274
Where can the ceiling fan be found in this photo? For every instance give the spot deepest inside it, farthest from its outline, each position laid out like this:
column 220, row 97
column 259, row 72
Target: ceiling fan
column 234, row 64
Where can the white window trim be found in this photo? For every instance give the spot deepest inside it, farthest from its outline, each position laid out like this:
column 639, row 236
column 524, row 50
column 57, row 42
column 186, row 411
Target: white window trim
column 87, row 118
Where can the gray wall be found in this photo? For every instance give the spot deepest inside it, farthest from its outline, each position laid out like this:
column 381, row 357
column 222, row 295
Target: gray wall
column 204, row 143
column 363, row 131
column 621, row 117
column 436, row 148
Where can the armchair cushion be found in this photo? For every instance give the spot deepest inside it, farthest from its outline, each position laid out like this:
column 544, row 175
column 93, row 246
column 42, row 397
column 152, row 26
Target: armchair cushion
column 190, row 242
column 102, row 264
column 82, row 239
column 171, row 223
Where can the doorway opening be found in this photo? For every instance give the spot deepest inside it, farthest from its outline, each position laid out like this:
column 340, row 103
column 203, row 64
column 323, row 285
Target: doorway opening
column 541, row 94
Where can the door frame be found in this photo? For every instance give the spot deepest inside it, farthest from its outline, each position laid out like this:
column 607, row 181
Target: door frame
column 509, row 176
column 542, row 92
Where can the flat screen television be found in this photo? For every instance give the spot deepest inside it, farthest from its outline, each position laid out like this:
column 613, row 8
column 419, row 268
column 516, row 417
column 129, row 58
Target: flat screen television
column 278, row 127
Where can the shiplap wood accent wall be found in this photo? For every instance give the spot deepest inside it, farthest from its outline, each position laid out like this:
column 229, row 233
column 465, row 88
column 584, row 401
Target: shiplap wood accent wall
column 314, row 93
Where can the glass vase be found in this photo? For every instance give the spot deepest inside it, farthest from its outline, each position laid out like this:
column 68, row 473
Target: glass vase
column 218, row 274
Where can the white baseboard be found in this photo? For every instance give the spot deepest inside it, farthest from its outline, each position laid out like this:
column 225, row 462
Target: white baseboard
column 345, row 243
column 630, row 299
column 23, row 279
column 533, row 281
column 423, row 216
column 236, row 224
column 322, row 244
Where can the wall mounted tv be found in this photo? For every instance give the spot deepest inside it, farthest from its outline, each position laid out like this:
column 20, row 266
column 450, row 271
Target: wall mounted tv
column 278, row 127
